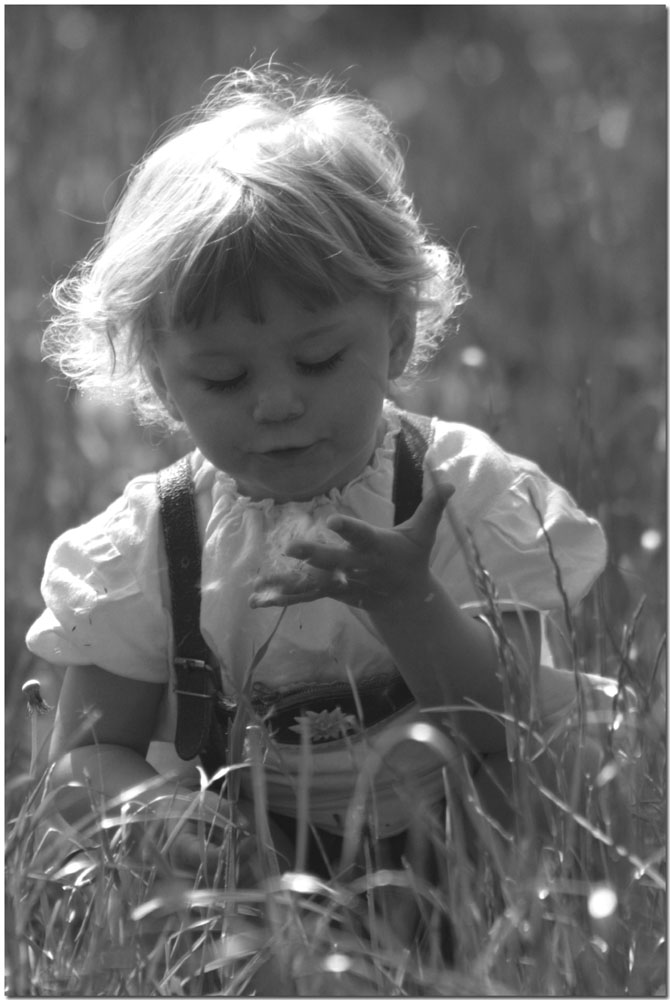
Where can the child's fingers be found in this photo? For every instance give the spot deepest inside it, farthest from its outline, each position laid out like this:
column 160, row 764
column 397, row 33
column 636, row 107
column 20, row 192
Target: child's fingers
column 270, row 597
column 186, row 854
column 442, row 491
column 435, row 499
column 278, row 597
column 357, row 533
column 189, row 854
column 326, row 557
column 306, row 584
column 423, row 523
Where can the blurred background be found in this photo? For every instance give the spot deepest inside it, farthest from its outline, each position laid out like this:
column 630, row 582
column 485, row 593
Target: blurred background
column 536, row 143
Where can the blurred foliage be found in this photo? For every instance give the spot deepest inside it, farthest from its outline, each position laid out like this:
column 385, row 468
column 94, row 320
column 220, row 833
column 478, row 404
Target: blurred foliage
column 536, row 146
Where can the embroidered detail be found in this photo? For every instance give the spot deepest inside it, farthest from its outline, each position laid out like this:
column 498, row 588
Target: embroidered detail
column 263, row 696
column 326, row 725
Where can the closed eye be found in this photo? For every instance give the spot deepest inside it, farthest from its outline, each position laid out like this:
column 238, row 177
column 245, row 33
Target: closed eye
column 222, row 385
column 319, row 367
column 305, row 367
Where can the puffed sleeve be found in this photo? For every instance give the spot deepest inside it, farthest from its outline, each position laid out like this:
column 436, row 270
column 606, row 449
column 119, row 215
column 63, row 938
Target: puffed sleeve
column 103, row 591
column 524, row 530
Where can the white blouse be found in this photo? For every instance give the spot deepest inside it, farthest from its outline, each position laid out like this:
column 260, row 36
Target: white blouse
column 106, row 592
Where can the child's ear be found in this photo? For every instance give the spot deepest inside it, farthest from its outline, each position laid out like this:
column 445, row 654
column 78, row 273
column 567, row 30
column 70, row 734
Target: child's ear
column 402, row 342
column 155, row 376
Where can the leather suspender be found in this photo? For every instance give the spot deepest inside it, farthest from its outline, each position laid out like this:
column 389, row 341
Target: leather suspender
column 200, row 700
column 411, row 447
column 203, row 713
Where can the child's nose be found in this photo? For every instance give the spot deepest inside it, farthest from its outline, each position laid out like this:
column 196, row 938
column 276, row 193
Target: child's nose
column 278, row 402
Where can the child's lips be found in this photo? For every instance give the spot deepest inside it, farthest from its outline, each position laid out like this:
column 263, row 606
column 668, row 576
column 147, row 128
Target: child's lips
column 292, row 451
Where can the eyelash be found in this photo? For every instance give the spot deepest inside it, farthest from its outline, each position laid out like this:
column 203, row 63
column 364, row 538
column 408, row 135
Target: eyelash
column 223, row 386
column 313, row 368
column 307, row 368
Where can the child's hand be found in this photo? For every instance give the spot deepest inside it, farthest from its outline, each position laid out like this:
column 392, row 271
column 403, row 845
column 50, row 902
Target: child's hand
column 188, row 832
column 197, row 840
column 376, row 567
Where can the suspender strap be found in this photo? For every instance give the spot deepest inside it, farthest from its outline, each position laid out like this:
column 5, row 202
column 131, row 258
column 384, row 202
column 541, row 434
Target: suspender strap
column 180, row 531
column 198, row 685
column 411, row 446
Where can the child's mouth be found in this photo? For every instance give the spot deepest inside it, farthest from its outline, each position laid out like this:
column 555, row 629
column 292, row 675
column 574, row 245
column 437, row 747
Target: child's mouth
column 292, row 452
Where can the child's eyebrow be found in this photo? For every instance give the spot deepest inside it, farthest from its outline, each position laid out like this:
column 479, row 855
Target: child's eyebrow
column 319, row 331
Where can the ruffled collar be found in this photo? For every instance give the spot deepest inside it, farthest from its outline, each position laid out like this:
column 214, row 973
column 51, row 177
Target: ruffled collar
column 225, row 494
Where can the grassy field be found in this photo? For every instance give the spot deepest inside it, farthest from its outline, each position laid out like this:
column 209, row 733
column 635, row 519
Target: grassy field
column 536, row 145
column 566, row 899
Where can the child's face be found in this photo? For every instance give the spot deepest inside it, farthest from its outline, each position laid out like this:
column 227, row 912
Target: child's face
column 290, row 407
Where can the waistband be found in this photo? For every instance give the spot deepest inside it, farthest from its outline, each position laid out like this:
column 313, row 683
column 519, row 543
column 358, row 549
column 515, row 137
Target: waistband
column 333, row 711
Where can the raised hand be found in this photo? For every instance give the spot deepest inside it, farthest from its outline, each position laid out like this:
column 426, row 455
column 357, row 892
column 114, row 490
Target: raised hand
column 375, row 566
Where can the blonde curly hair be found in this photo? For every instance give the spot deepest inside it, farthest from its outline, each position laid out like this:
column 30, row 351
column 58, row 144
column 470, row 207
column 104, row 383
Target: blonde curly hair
column 273, row 175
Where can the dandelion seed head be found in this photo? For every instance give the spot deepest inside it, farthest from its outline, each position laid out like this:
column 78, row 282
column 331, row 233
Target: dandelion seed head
column 602, row 902
column 295, row 525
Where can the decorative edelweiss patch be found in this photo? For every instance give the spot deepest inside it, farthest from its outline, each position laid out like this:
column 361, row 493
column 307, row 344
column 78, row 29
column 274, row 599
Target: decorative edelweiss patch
column 327, row 725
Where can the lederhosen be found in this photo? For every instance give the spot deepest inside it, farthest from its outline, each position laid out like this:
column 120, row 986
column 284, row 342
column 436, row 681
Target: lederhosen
column 204, row 714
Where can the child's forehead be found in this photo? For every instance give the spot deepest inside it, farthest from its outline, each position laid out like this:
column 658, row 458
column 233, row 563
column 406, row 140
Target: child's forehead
column 285, row 320
column 275, row 306
column 258, row 299
column 243, row 282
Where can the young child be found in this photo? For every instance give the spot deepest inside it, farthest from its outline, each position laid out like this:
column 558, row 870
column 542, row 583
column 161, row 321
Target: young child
column 263, row 281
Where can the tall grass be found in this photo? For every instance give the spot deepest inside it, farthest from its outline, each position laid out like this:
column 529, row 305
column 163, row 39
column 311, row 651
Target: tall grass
column 567, row 897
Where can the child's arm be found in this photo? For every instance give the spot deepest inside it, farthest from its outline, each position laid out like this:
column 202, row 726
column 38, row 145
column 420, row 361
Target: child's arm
column 445, row 656
column 101, row 735
column 448, row 657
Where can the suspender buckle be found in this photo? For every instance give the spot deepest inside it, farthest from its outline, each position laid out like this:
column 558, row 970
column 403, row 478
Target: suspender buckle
column 190, row 664
column 192, row 683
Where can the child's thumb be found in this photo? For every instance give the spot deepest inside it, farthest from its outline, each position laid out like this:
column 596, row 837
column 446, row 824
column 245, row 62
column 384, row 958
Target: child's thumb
column 429, row 512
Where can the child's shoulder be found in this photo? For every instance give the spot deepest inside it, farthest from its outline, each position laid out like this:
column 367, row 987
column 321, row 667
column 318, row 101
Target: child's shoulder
column 138, row 504
column 457, row 444
column 117, row 533
column 485, row 475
